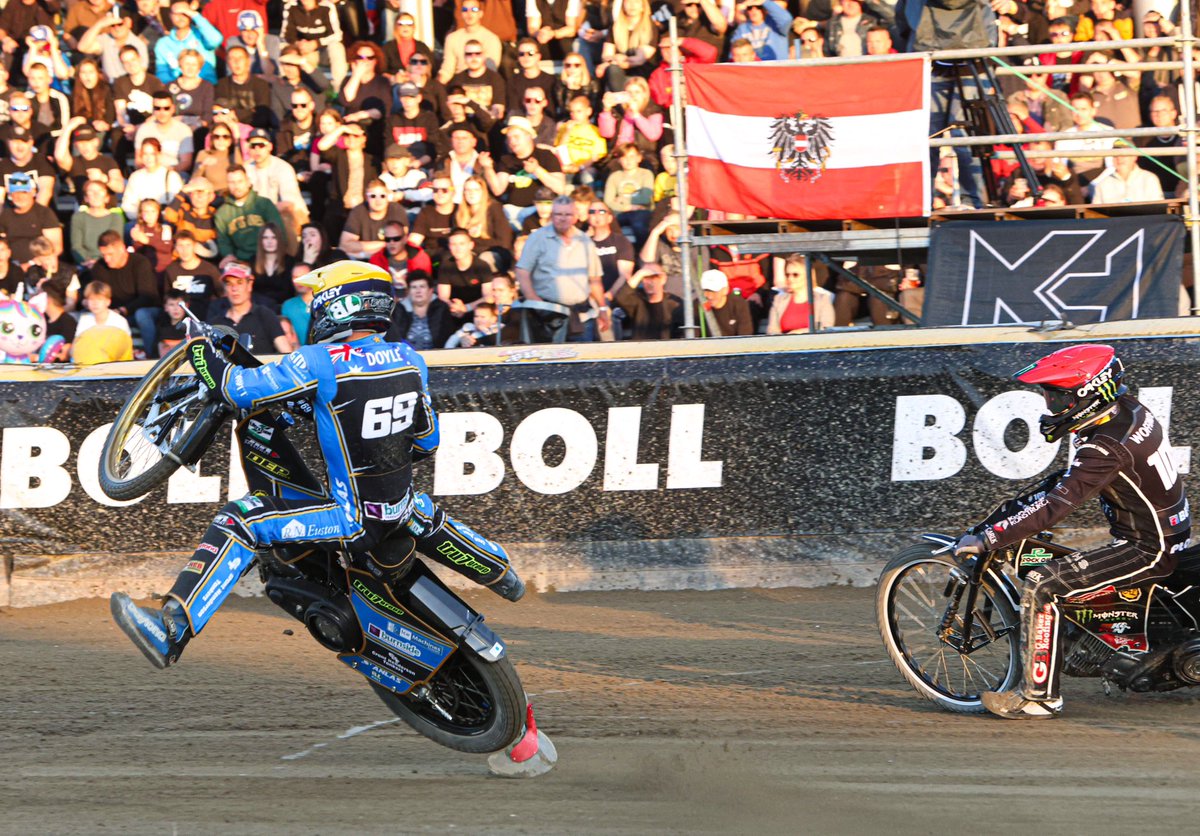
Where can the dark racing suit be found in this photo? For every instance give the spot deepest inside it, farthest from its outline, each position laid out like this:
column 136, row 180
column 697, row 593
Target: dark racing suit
column 1126, row 460
column 372, row 410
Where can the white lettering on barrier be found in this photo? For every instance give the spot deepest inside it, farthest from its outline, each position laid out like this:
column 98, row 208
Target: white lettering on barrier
column 685, row 469
column 622, row 471
column 527, row 450
column 926, row 447
column 467, row 463
column 31, row 471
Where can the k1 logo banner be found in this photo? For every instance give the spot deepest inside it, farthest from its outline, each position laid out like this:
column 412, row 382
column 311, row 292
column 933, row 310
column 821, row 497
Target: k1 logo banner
column 1080, row 271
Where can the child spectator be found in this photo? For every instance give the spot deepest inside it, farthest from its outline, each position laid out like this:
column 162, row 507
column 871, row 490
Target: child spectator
column 543, row 203
column 405, row 181
column 192, row 276
column 97, row 297
column 579, row 144
column 92, row 220
column 151, row 237
column 665, row 183
column 629, row 192
column 45, row 269
column 171, row 328
column 484, row 325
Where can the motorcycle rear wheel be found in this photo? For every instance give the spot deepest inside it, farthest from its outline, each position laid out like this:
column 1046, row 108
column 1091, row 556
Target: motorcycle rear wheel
column 910, row 603
column 162, row 414
column 485, row 701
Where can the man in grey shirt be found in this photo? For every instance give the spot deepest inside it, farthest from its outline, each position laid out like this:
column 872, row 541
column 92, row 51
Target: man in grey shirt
column 560, row 264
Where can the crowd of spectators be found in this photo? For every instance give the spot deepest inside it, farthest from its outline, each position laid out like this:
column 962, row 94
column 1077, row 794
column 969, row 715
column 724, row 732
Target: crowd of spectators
column 162, row 152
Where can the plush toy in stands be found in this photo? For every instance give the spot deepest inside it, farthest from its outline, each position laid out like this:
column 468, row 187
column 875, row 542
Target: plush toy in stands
column 23, row 334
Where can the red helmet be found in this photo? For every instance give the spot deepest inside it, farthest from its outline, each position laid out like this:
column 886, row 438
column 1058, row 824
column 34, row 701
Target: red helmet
column 1079, row 384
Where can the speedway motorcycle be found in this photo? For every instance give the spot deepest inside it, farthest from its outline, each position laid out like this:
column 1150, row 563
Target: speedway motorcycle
column 424, row 651
column 951, row 624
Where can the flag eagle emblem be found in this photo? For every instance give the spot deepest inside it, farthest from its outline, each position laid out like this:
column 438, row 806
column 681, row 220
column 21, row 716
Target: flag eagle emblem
column 802, row 145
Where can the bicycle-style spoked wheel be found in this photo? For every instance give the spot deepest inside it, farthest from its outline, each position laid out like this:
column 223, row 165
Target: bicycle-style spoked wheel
column 143, row 446
column 916, row 590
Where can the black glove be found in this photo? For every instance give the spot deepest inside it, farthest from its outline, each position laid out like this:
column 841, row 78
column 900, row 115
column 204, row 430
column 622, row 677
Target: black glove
column 968, row 545
column 210, row 365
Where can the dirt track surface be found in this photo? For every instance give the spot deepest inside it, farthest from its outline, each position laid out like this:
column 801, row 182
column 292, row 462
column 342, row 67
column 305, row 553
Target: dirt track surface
column 748, row 711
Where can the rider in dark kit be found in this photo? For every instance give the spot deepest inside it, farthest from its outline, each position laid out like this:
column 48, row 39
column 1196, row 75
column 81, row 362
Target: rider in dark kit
column 1122, row 456
column 373, row 415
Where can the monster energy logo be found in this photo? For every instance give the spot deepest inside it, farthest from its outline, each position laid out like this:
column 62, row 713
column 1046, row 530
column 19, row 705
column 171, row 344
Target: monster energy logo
column 201, row 366
column 375, row 598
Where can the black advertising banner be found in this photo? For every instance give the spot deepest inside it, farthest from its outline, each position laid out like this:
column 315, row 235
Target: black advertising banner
column 1079, row 271
column 817, row 443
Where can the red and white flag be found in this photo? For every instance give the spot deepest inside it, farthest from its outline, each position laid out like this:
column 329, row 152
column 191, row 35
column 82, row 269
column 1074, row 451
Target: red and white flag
column 810, row 143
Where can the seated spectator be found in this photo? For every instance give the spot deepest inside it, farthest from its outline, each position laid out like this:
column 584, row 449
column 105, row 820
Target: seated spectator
column 415, row 128
column 194, row 95
column 132, row 284
column 1104, row 21
column 248, row 95
column 1126, row 182
column 852, row 302
column 544, row 125
column 151, row 237
column 543, row 205
column 481, row 330
column 650, row 312
column 793, row 311
column 399, row 51
column 312, row 26
column 107, row 38
column 1169, row 171
column 433, row 92
column 629, row 192
column 662, row 248
column 630, row 47
column 27, row 219
column 615, row 251
column 463, row 276
column 633, row 117
column 213, row 162
column 1044, row 105
column 273, row 268
column 518, row 174
column 262, row 46
column 171, row 326
column 665, row 182
column 132, row 96
column 188, row 31
column 483, row 219
column 847, row 30
column 702, row 28
column 1115, row 102
column 396, row 259
column 574, row 80
column 352, row 167
column 502, row 294
column 765, row 24
column 461, row 110
column 315, row 249
column 239, row 312
column 729, row 309
column 52, row 106
column 1084, row 118
column 45, row 268
column 174, row 137
column 481, row 84
column 405, row 183
column 362, row 235
column 23, row 159
column 154, row 180
column 241, row 217
column 421, row 319
column 192, row 211
column 195, row 278
column 292, row 79
column 20, row 114
column 94, row 218
column 87, row 163
column 741, row 51
column 578, row 142
column 97, row 298
column 59, row 323
column 526, row 76
column 272, row 178
column 878, row 41
column 298, row 309
column 92, row 97
column 367, row 95
column 12, row 275
column 471, row 36
column 431, row 229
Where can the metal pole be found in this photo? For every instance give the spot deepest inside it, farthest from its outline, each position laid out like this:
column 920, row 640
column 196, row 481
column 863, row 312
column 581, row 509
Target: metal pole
column 685, row 231
column 1189, row 133
column 812, row 300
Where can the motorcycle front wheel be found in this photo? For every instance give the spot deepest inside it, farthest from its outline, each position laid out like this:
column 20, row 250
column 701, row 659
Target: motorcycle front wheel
column 916, row 592
column 152, row 429
column 475, row 706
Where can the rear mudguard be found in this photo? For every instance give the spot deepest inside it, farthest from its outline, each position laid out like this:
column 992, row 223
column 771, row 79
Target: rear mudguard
column 435, row 604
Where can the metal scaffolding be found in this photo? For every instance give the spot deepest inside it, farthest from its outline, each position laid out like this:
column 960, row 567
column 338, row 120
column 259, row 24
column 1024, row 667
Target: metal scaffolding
column 902, row 236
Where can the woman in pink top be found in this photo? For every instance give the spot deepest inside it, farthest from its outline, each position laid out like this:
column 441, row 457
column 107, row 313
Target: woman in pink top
column 633, row 117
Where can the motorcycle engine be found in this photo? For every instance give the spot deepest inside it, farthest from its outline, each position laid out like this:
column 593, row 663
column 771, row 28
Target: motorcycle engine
column 332, row 623
column 1086, row 655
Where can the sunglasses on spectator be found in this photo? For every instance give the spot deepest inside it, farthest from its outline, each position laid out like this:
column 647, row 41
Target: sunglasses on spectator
column 534, row 100
column 378, row 195
column 471, row 9
column 572, row 63
column 597, row 211
column 367, row 57
column 19, row 108
column 474, row 54
column 301, row 104
column 418, row 60
column 393, row 239
column 528, row 53
column 222, row 136
column 163, row 107
column 442, row 189
column 259, row 144
column 405, row 23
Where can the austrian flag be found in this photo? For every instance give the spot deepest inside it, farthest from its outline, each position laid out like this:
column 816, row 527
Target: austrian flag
column 819, row 142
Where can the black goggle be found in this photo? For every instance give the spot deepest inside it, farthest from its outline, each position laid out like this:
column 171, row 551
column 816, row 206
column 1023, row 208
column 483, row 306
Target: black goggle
column 1059, row 401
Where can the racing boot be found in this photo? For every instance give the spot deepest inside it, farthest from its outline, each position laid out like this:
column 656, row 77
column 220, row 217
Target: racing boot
column 1014, row 705
column 160, row 636
column 510, row 586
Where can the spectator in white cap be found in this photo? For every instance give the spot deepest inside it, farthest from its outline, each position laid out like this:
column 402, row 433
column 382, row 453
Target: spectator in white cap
column 730, row 310
column 262, row 46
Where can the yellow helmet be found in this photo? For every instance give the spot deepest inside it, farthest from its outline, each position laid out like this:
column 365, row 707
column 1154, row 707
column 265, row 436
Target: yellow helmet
column 348, row 296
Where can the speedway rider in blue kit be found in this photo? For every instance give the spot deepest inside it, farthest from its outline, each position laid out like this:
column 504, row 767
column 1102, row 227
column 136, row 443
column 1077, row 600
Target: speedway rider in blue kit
column 1122, row 456
column 372, row 411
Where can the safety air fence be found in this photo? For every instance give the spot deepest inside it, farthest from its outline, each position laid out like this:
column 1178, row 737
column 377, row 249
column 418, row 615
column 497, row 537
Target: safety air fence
column 804, row 460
